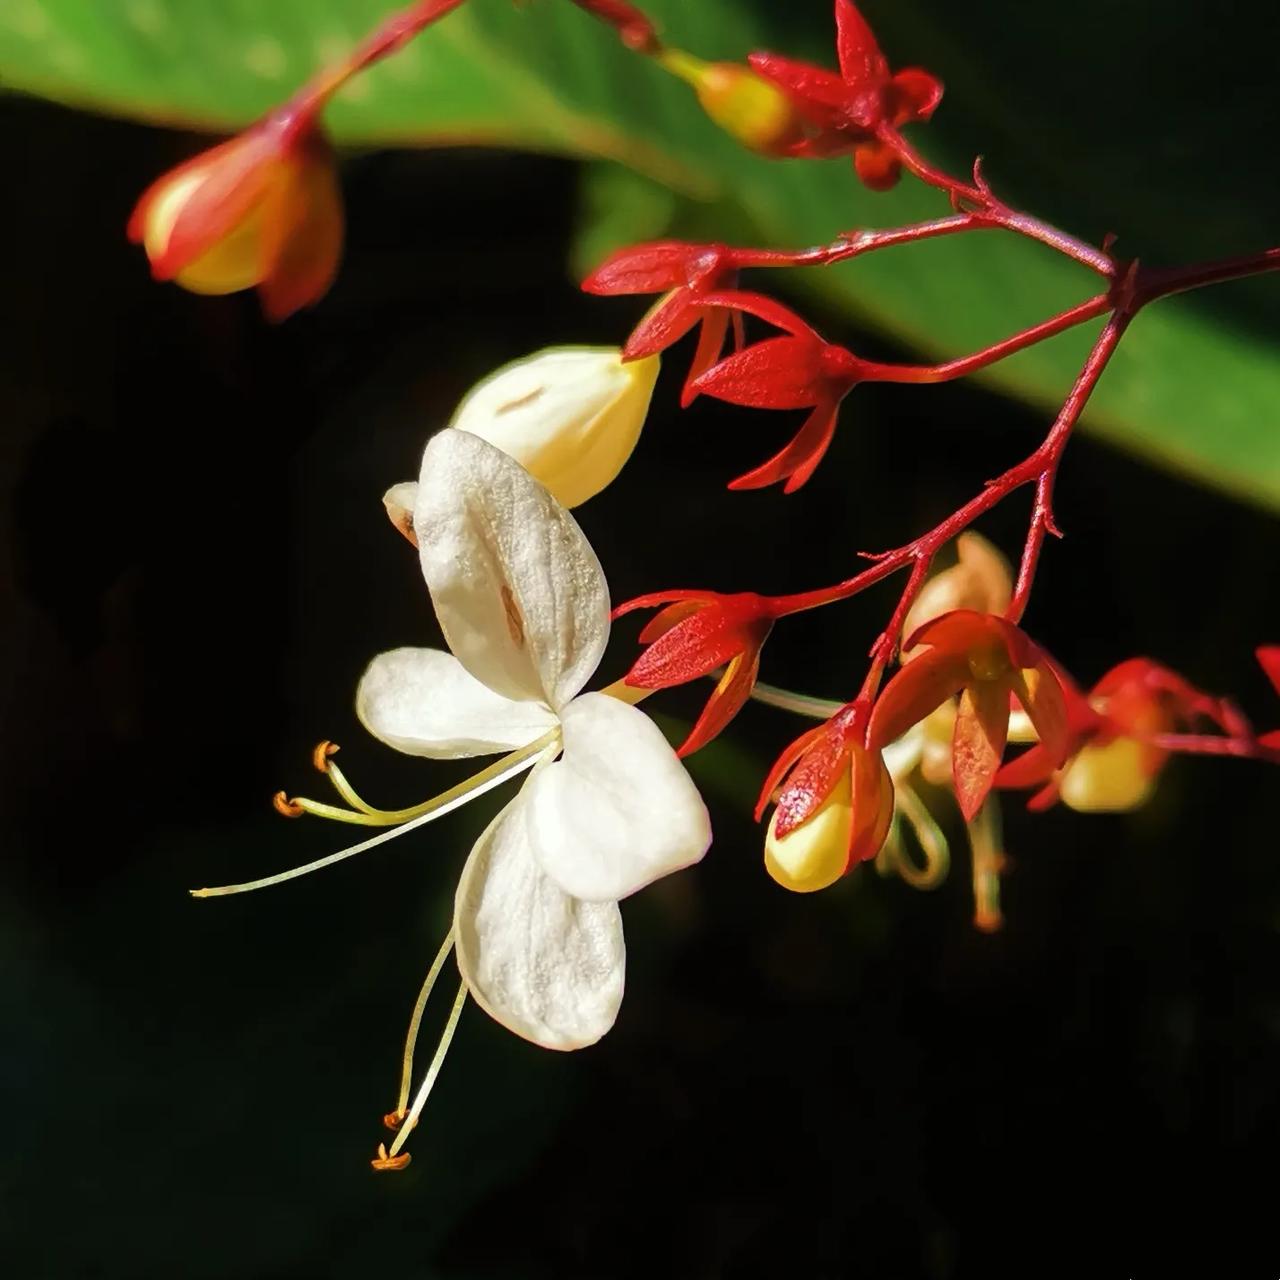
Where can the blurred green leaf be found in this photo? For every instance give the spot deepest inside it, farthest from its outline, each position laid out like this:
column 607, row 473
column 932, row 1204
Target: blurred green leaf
column 1196, row 385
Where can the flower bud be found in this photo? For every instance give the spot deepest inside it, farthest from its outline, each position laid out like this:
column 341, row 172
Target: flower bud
column 569, row 415
column 816, row 853
column 1109, row 779
column 979, row 580
column 747, row 106
column 262, row 210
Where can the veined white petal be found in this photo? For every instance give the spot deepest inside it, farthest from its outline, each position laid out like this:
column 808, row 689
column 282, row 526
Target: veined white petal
column 618, row 810
column 546, row 965
column 519, row 593
column 426, row 703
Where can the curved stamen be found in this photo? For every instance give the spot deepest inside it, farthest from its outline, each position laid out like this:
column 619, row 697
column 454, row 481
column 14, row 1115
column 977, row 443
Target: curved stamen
column 930, row 838
column 415, row 1022
column 496, row 774
column 393, row 1158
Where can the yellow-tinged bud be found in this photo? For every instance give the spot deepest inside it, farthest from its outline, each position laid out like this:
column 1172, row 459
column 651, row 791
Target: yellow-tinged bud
column 569, row 415
column 747, row 106
column 816, row 853
column 979, row 580
column 1110, row 779
column 262, row 210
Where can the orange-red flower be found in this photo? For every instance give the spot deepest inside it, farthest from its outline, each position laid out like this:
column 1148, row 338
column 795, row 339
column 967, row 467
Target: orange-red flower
column 849, row 111
column 988, row 661
column 260, row 211
column 685, row 274
column 835, row 807
column 799, row 370
column 695, row 633
column 1113, row 762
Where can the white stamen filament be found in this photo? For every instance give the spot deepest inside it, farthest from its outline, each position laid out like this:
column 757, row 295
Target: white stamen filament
column 496, row 774
column 432, row 1072
column 415, row 1022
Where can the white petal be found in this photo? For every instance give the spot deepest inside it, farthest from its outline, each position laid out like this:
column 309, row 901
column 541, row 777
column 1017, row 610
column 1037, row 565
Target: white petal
column 425, row 702
column 545, row 965
column 617, row 810
column 570, row 415
column 519, row 593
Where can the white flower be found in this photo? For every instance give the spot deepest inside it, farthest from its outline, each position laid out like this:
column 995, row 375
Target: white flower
column 524, row 608
column 570, row 416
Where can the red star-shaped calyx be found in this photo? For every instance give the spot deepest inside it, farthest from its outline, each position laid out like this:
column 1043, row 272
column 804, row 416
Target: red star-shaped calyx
column 853, row 111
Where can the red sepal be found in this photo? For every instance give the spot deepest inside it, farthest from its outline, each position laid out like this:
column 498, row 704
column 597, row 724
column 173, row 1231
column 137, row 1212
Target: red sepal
column 877, row 166
column 977, row 745
column 656, row 267
column 1269, row 660
column 665, row 323
column 799, row 459
column 857, row 47
column 778, row 373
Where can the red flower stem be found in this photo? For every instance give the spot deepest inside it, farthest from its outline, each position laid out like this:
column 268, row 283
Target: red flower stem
column 1042, row 463
column 987, row 209
column 853, row 244
column 960, row 368
column 1153, row 284
column 636, row 30
column 1206, row 744
column 886, row 645
column 387, row 38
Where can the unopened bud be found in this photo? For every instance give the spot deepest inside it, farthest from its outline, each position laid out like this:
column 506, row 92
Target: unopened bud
column 569, row 415
column 979, row 580
column 1111, row 779
column 816, row 853
column 262, row 210
column 747, row 106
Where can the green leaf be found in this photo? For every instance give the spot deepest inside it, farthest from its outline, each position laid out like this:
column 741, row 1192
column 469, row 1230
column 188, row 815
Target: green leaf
column 1194, row 388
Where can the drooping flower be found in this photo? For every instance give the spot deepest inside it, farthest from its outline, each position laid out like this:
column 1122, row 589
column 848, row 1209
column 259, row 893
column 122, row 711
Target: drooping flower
column 685, row 274
column 262, row 210
column 1112, row 763
column 524, row 609
column 850, row 112
column 987, row 660
column 696, row 632
column 797, row 371
column 836, row 804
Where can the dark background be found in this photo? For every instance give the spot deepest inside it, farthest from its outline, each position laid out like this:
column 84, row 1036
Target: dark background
column 196, row 568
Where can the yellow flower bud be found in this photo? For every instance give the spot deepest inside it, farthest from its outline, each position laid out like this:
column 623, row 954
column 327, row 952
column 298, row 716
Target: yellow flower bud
column 1110, row 779
column 816, row 853
column 743, row 104
column 569, row 415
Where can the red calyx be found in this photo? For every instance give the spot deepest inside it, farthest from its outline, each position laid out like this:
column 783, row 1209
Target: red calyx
column 852, row 111
column 696, row 632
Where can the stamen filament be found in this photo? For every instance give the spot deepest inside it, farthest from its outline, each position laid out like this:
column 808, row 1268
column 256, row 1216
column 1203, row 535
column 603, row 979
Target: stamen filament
column 785, row 700
column 433, row 1071
column 988, row 862
column 415, row 1022
column 496, row 774
column 930, row 838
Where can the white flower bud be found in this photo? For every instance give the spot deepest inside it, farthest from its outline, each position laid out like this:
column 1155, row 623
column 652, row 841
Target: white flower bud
column 569, row 415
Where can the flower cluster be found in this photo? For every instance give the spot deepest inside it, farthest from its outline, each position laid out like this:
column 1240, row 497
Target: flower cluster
column 607, row 806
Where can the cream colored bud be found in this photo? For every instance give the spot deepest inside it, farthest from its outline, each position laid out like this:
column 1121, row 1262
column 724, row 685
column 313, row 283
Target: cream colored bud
column 979, row 580
column 1110, row 779
column 569, row 415
column 816, row 853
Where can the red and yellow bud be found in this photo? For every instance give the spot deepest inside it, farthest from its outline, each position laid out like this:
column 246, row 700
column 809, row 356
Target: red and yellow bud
column 260, row 211
column 750, row 108
column 835, row 808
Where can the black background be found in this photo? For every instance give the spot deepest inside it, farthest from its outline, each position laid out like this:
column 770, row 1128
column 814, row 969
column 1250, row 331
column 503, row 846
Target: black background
column 197, row 568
